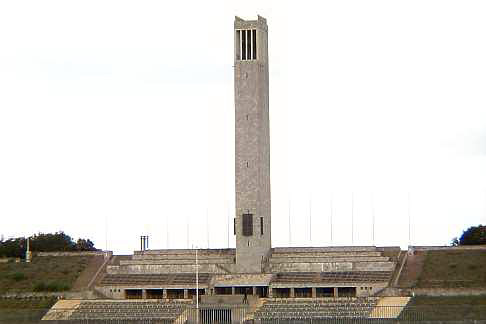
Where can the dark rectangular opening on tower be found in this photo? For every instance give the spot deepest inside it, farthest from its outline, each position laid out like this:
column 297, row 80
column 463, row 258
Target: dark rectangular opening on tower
column 254, row 47
column 261, row 225
column 243, row 44
column 247, row 224
column 248, row 46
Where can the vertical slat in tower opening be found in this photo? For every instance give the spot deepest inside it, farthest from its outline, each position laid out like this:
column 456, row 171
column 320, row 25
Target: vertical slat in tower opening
column 252, row 146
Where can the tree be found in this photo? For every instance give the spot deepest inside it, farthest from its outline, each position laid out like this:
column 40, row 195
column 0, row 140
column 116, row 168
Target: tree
column 474, row 235
column 50, row 242
column 85, row 245
column 455, row 241
column 11, row 248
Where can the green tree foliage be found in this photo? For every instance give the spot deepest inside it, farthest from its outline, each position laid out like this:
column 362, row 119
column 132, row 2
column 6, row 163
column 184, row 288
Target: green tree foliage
column 51, row 242
column 12, row 248
column 84, row 245
column 474, row 235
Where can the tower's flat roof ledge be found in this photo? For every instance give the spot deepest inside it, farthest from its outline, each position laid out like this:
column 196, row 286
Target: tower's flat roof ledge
column 260, row 23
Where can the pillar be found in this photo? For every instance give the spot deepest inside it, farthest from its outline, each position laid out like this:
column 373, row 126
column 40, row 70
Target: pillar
column 292, row 292
column 233, row 290
column 270, row 292
column 314, row 292
column 336, row 295
column 144, row 293
column 254, row 292
column 186, row 294
column 164, row 293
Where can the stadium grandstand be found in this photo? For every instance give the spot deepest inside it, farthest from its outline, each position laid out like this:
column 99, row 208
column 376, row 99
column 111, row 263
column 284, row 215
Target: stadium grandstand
column 255, row 282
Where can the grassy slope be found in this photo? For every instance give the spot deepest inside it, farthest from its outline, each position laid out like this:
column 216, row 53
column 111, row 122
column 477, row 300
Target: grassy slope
column 412, row 270
column 23, row 277
column 445, row 308
column 453, row 269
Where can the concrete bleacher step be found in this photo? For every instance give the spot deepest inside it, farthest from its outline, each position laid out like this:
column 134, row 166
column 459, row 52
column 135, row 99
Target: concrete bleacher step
column 316, row 308
column 127, row 310
column 175, row 253
column 327, row 254
column 319, row 259
column 154, row 279
column 324, row 249
column 192, row 261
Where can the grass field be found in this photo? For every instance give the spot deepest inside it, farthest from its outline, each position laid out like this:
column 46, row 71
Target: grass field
column 445, row 308
column 42, row 274
column 453, row 269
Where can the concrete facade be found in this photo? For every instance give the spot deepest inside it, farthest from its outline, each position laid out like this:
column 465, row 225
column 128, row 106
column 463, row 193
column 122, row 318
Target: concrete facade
column 252, row 144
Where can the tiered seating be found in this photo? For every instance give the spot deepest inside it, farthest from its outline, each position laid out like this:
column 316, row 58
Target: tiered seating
column 175, row 261
column 332, row 277
column 132, row 310
column 316, row 308
column 329, row 259
column 154, row 279
column 134, row 279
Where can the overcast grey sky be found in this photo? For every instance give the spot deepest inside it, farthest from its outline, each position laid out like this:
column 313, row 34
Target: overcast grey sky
column 122, row 113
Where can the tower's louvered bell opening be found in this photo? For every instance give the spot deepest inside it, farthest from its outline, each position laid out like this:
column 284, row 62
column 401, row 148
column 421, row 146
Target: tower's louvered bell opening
column 246, row 44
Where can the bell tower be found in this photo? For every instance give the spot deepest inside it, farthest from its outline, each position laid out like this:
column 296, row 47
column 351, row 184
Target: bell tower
column 252, row 145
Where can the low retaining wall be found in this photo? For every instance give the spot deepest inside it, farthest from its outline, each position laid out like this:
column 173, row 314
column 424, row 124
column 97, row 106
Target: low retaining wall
column 73, row 253
column 450, row 248
column 449, row 291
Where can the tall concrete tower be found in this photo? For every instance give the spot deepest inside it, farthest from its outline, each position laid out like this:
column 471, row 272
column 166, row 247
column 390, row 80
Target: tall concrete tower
column 252, row 145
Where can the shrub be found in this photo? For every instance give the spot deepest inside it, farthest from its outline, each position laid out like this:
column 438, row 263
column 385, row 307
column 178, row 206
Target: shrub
column 51, row 286
column 40, row 286
column 18, row 276
column 58, row 286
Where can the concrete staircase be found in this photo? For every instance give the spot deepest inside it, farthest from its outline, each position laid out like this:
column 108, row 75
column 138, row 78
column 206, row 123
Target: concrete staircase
column 389, row 307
